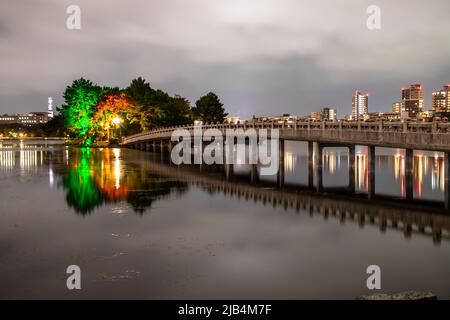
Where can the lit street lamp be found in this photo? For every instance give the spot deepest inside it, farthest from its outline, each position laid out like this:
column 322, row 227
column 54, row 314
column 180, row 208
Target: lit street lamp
column 117, row 121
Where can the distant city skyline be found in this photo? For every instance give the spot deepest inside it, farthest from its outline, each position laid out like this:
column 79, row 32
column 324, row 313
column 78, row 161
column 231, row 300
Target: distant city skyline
column 439, row 102
column 260, row 57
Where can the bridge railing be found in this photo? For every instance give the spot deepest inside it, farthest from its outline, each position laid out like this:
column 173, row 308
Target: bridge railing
column 379, row 126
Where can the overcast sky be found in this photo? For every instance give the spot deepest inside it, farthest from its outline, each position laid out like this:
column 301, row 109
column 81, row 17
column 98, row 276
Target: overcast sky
column 260, row 56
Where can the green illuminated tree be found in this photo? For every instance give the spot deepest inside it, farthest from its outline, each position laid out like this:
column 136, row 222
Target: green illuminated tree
column 80, row 100
column 82, row 193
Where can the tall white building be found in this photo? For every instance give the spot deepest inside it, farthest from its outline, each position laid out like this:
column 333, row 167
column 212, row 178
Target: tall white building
column 50, row 108
column 360, row 105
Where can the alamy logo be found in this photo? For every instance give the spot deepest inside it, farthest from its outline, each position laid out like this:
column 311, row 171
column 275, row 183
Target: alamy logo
column 374, row 280
column 374, row 20
column 241, row 146
column 74, row 280
column 73, row 21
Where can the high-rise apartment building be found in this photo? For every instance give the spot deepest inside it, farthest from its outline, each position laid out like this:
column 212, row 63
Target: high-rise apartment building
column 316, row 115
column 360, row 105
column 413, row 100
column 397, row 107
column 329, row 114
column 440, row 100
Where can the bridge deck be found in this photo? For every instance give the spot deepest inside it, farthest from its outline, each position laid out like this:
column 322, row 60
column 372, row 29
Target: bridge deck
column 408, row 135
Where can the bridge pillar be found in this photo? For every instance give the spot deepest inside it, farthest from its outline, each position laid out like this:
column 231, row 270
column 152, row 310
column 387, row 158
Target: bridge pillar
column 161, row 146
column 202, row 152
column 254, row 173
column 280, row 174
column 147, row 146
column 436, row 234
column 310, row 164
column 319, row 167
column 351, row 168
column 371, row 173
column 197, row 150
column 446, row 180
column 224, row 152
column 383, row 223
column 228, row 171
column 409, row 178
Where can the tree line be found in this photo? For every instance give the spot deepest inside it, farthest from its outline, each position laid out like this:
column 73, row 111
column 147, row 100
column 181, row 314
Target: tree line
column 93, row 114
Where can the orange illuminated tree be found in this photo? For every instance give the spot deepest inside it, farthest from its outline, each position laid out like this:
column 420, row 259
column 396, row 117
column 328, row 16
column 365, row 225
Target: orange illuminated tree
column 110, row 113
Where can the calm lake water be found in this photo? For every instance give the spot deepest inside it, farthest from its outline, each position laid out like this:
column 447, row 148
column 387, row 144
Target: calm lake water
column 141, row 228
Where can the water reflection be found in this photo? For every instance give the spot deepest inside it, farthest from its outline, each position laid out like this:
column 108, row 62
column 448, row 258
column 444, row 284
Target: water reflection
column 361, row 174
column 332, row 161
column 93, row 177
column 428, row 170
column 90, row 178
column 97, row 177
column 234, row 234
column 408, row 219
column 7, row 159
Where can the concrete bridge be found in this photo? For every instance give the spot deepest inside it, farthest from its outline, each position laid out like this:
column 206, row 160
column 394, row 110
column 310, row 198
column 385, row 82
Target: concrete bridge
column 432, row 136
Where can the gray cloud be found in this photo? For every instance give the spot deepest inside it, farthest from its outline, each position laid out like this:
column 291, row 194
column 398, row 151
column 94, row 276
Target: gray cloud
column 261, row 57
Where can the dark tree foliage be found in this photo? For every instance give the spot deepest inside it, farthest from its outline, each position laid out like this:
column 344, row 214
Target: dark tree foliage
column 155, row 108
column 209, row 109
column 54, row 127
column 176, row 111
